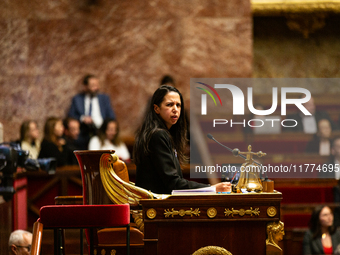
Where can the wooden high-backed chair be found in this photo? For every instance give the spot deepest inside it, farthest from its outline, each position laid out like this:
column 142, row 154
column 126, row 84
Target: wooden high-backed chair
column 106, row 240
column 59, row 217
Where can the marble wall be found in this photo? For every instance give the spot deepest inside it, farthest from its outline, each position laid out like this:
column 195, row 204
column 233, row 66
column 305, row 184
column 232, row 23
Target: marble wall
column 46, row 47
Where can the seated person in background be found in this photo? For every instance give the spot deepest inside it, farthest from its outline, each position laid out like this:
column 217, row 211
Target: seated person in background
column 71, row 135
column 29, row 138
column 308, row 123
column 108, row 139
column 1, row 133
column 321, row 142
column 167, row 80
column 322, row 237
column 333, row 168
column 20, row 242
column 53, row 145
column 160, row 145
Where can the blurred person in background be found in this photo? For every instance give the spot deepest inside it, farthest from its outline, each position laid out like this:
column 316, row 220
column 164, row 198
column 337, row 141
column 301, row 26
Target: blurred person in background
column 90, row 108
column 71, row 135
column 20, row 242
column 322, row 237
column 308, row 123
column 29, row 138
column 53, row 144
column 108, row 139
column 321, row 142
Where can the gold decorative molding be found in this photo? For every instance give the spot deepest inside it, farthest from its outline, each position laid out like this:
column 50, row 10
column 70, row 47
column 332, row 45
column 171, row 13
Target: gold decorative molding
column 182, row 212
column 151, row 213
column 95, row 252
column 212, row 250
column 281, row 7
column 242, row 212
column 212, row 212
column 103, row 252
column 113, row 252
column 271, row 211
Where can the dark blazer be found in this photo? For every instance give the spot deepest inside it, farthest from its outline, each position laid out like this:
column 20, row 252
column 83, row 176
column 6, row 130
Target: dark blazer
column 50, row 150
column 299, row 127
column 78, row 106
column 314, row 246
column 160, row 170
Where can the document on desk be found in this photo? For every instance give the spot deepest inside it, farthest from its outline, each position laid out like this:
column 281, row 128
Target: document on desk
column 200, row 191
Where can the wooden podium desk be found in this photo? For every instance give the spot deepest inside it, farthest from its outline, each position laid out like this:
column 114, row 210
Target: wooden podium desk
column 183, row 224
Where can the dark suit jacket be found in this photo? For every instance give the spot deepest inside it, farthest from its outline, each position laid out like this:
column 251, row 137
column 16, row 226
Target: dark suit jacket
column 314, row 246
column 78, row 106
column 160, row 170
column 50, row 150
column 299, row 127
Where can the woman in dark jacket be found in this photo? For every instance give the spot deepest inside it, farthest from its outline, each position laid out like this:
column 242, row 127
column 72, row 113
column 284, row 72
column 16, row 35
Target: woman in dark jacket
column 160, row 144
column 322, row 237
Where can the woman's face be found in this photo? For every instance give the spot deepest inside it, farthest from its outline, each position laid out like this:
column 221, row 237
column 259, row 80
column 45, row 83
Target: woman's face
column 59, row 128
column 33, row 132
column 325, row 129
column 170, row 109
column 111, row 130
column 326, row 217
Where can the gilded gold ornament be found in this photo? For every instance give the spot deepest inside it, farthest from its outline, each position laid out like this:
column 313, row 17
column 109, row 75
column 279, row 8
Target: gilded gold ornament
column 212, row 212
column 151, row 213
column 242, row 212
column 271, row 211
column 181, row 212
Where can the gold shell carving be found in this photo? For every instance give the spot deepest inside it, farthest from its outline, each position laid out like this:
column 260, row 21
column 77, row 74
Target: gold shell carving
column 151, row 213
column 212, row 250
column 103, row 252
column 212, row 212
column 113, row 252
column 242, row 212
column 181, row 212
column 271, row 211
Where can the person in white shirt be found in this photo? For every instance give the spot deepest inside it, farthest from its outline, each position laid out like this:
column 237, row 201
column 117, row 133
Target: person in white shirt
column 108, row 139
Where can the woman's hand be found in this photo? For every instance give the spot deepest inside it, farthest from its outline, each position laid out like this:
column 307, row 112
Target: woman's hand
column 223, row 187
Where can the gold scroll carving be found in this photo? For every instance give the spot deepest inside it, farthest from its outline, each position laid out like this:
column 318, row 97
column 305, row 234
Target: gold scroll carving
column 212, row 250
